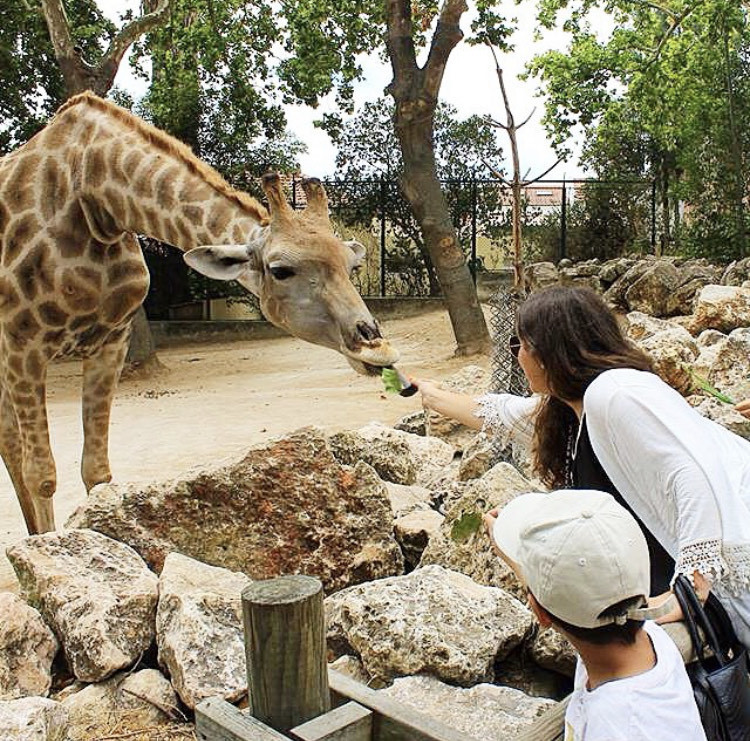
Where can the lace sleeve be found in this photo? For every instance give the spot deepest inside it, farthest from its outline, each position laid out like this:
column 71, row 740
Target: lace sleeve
column 511, row 417
column 705, row 557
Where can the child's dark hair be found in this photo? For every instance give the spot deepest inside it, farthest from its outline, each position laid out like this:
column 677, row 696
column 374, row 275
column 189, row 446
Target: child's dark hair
column 624, row 634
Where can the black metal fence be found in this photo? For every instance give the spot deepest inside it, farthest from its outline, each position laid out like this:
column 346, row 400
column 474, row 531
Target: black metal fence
column 577, row 218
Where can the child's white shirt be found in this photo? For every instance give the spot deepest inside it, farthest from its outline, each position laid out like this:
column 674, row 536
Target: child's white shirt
column 656, row 704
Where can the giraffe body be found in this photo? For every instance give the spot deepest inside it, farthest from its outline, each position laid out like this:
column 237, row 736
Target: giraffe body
column 72, row 274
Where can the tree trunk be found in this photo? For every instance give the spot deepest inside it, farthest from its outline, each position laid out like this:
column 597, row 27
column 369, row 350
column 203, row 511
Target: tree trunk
column 415, row 91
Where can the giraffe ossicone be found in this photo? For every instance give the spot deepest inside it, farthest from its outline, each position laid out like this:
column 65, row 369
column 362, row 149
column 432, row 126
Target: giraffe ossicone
column 72, row 274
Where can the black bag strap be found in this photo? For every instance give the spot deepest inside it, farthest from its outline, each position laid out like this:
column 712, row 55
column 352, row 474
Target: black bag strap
column 696, row 617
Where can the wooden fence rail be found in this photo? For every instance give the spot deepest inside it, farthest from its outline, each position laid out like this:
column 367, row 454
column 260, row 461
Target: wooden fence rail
column 292, row 690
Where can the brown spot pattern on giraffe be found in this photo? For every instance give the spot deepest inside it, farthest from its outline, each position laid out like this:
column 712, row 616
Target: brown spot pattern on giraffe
column 20, row 232
column 52, row 315
column 23, row 326
column 20, row 187
column 122, row 303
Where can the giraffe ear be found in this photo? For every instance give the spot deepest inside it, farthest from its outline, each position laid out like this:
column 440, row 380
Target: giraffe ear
column 223, row 261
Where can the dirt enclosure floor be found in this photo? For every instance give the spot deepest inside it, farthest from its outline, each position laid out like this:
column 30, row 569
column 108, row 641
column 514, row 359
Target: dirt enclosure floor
column 214, row 401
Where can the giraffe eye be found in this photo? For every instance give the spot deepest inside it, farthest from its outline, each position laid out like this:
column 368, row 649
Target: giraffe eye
column 281, row 273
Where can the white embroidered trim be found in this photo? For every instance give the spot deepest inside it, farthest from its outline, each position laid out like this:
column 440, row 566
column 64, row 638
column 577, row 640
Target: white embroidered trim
column 722, row 563
column 492, row 421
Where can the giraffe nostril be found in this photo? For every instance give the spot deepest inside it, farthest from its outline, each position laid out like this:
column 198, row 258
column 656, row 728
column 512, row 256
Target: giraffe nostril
column 368, row 332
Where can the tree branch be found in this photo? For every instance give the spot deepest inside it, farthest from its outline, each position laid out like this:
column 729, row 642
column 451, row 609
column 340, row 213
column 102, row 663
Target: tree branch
column 128, row 34
column 447, row 34
column 59, row 30
column 548, row 170
column 400, row 41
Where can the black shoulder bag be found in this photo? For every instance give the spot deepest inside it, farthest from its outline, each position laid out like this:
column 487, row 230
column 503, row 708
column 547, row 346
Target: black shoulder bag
column 721, row 684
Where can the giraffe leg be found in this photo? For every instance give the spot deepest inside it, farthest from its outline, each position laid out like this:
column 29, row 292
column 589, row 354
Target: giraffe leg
column 24, row 416
column 12, row 455
column 100, row 375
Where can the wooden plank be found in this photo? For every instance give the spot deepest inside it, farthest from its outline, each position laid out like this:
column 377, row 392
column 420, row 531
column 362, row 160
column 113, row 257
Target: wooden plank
column 285, row 650
column 218, row 720
column 392, row 721
column 349, row 722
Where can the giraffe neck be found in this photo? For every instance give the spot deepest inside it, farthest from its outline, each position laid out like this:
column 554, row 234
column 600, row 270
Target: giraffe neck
column 135, row 178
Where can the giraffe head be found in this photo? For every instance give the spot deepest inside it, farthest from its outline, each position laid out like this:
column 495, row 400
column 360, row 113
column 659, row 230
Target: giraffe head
column 301, row 273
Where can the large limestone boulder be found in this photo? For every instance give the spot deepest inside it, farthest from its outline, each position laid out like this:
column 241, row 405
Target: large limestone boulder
column 724, row 361
column 123, row 704
column 483, row 712
column 736, row 273
column 97, row 594
column 33, row 719
column 692, row 277
column 672, row 348
column 27, row 649
column 721, row 307
column 413, row 532
column 287, row 507
column 462, row 545
column 651, row 291
column 611, row 270
column 615, row 295
column 199, row 629
column 541, row 274
column 432, row 621
column 407, row 499
column 393, row 453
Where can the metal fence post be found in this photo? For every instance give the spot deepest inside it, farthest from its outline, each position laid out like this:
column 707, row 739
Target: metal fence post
column 383, row 194
column 564, row 221
column 474, row 227
column 653, row 216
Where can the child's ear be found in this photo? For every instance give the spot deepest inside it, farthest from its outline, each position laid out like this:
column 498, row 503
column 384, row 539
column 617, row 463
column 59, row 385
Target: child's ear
column 541, row 614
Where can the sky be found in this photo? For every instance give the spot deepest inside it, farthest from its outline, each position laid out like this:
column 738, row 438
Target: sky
column 470, row 84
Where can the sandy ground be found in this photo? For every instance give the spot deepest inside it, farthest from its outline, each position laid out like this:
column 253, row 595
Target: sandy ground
column 216, row 400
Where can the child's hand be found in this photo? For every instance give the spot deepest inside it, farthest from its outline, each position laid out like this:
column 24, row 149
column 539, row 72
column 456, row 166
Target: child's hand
column 488, row 523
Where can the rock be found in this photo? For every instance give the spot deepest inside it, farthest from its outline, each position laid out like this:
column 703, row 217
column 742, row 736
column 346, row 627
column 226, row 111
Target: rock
column 27, row 649
column 736, row 273
column 611, row 270
column 615, row 294
column 721, row 307
column 287, row 507
column 725, row 415
column 471, row 554
column 430, row 455
column 482, row 712
column 517, row 670
column 541, row 274
column 433, row 620
column 97, row 595
column 691, row 279
column 651, row 291
column 671, row 347
column 406, row 499
column 199, row 630
column 33, row 719
column 413, row 532
column 391, row 457
column 351, row 666
column 478, row 457
column 552, row 651
column 413, row 423
column 724, row 361
column 125, row 702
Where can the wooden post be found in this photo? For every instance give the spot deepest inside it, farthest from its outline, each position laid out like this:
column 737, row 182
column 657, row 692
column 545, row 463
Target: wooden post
column 285, row 650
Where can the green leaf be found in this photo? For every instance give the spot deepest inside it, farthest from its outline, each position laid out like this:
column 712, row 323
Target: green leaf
column 702, row 384
column 465, row 526
column 390, row 380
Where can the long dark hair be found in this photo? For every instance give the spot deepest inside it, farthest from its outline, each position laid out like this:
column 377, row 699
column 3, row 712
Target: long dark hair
column 576, row 337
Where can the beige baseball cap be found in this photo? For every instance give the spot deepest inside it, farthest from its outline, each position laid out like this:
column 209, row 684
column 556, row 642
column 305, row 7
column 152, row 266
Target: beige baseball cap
column 579, row 552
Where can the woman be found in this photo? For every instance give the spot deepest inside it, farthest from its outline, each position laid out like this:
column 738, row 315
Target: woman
column 601, row 419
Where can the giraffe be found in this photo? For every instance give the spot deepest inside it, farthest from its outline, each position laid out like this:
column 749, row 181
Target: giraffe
column 72, row 275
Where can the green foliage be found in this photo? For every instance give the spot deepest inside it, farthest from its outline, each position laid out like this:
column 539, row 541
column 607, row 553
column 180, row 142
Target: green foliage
column 30, row 78
column 664, row 95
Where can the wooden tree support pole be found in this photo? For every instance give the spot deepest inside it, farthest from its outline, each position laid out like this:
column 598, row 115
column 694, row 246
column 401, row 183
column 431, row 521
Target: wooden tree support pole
column 286, row 650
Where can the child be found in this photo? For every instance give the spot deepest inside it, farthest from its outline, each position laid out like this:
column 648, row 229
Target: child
column 585, row 563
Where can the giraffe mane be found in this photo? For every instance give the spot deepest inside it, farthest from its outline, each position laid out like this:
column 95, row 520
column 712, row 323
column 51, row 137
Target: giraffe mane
column 172, row 146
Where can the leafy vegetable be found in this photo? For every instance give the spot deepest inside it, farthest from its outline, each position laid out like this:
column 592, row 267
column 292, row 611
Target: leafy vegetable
column 702, row 384
column 465, row 526
column 391, row 380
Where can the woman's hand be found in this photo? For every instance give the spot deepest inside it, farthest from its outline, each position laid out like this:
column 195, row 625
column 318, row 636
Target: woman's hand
column 702, row 587
column 743, row 408
column 430, row 391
